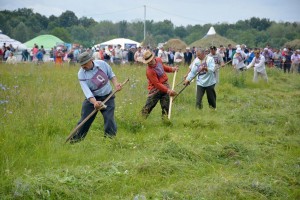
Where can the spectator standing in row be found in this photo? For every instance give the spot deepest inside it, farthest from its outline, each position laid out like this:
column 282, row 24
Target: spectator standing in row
column 229, row 53
column 118, row 58
column 277, row 58
column 287, row 60
column 188, row 56
column 295, row 58
column 163, row 55
column 96, row 54
column 171, row 54
column 178, row 57
column 222, row 51
column 6, row 53
column 25, row 55
column 51, row 54
column 130, row 55
column 39, row 57
column 59, row 56
column 71, row 58
column 238, row 60
column 11, row 59
column 268, row 54
column 219, row 62
column 138, row 56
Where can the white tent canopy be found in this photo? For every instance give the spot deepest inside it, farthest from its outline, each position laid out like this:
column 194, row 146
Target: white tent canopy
column 7, row 40
column 211, row 31
column 125, row 43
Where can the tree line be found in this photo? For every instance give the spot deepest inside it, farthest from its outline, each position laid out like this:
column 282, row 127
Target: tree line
column 23, row 24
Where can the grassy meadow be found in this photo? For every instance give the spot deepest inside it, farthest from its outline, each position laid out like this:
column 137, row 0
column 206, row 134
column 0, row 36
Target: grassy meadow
column 249, row 148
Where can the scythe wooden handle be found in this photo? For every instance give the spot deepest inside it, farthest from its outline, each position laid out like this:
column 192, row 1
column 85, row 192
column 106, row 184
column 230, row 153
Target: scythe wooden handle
column 73, row 132
column 185, row 86
column 171, row 98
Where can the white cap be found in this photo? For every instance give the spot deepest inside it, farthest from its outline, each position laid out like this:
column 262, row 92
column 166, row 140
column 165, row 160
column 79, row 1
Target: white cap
column 238, row 50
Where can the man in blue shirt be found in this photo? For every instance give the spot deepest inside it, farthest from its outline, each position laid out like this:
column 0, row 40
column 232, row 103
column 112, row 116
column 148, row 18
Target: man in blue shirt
column 94, row 78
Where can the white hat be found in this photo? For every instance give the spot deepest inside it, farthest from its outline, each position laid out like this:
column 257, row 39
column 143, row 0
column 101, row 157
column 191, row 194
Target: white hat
column 238, row 50
column 284, row 49
column 187, row 48
column 266, row 49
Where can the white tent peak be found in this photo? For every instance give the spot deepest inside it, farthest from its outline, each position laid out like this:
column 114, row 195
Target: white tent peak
column 211, row 31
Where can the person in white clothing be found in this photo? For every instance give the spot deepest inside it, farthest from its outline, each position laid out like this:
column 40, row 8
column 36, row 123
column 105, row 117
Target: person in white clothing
column 259, row 66
column 238, row 60
column 11, row 59
column 163, row 55
column 178, row 57
column 295, row 58
column 138, row 56
column 219, row 62
column 96, row 54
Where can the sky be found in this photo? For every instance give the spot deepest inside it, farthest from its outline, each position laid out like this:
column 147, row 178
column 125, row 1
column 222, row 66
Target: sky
column 181, row 13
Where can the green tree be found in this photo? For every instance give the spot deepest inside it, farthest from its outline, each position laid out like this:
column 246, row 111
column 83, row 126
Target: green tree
column 20, row 32
column 137, row 30
column 105, row 29
column 62, row 33
column 87, row 22
column 25, row 12
column 68, row 19
column 4, row 26
column 149, row 41
column 180, row 32
column 79, row 34
column 260, row 24
column 163, row 28
column 122, row 26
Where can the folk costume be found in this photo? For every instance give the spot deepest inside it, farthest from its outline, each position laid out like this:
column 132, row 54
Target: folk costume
column 206, row 81
column 158, row 86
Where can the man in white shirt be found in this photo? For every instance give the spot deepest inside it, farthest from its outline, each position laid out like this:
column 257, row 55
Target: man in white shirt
column 163, row 55
column 295, row 58
column 178, row 57
column 238, row 60
column 138, row 56
column 118, row 55
column 259, row 66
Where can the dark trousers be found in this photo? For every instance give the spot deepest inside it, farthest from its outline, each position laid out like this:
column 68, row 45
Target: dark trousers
column 210, row 93
column 152, row 101
column 110, row 127
column 286, row 67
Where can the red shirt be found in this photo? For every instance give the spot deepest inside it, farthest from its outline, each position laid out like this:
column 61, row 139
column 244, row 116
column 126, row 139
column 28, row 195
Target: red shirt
column 157, row 76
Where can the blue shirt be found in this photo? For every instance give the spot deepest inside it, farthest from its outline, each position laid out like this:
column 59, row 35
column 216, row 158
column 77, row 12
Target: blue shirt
column 88, row 87
column 206, row 79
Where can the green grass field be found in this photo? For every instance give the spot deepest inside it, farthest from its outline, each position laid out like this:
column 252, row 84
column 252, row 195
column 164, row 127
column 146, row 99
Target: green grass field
column 247, row 149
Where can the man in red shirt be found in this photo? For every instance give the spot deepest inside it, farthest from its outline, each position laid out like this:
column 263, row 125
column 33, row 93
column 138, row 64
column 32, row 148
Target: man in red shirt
column 158, row 87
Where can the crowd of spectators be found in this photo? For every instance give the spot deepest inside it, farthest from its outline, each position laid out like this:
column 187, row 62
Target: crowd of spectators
column 286, row 59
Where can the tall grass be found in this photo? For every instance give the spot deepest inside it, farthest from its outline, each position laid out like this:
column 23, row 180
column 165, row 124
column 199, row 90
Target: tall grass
column 247, row 149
